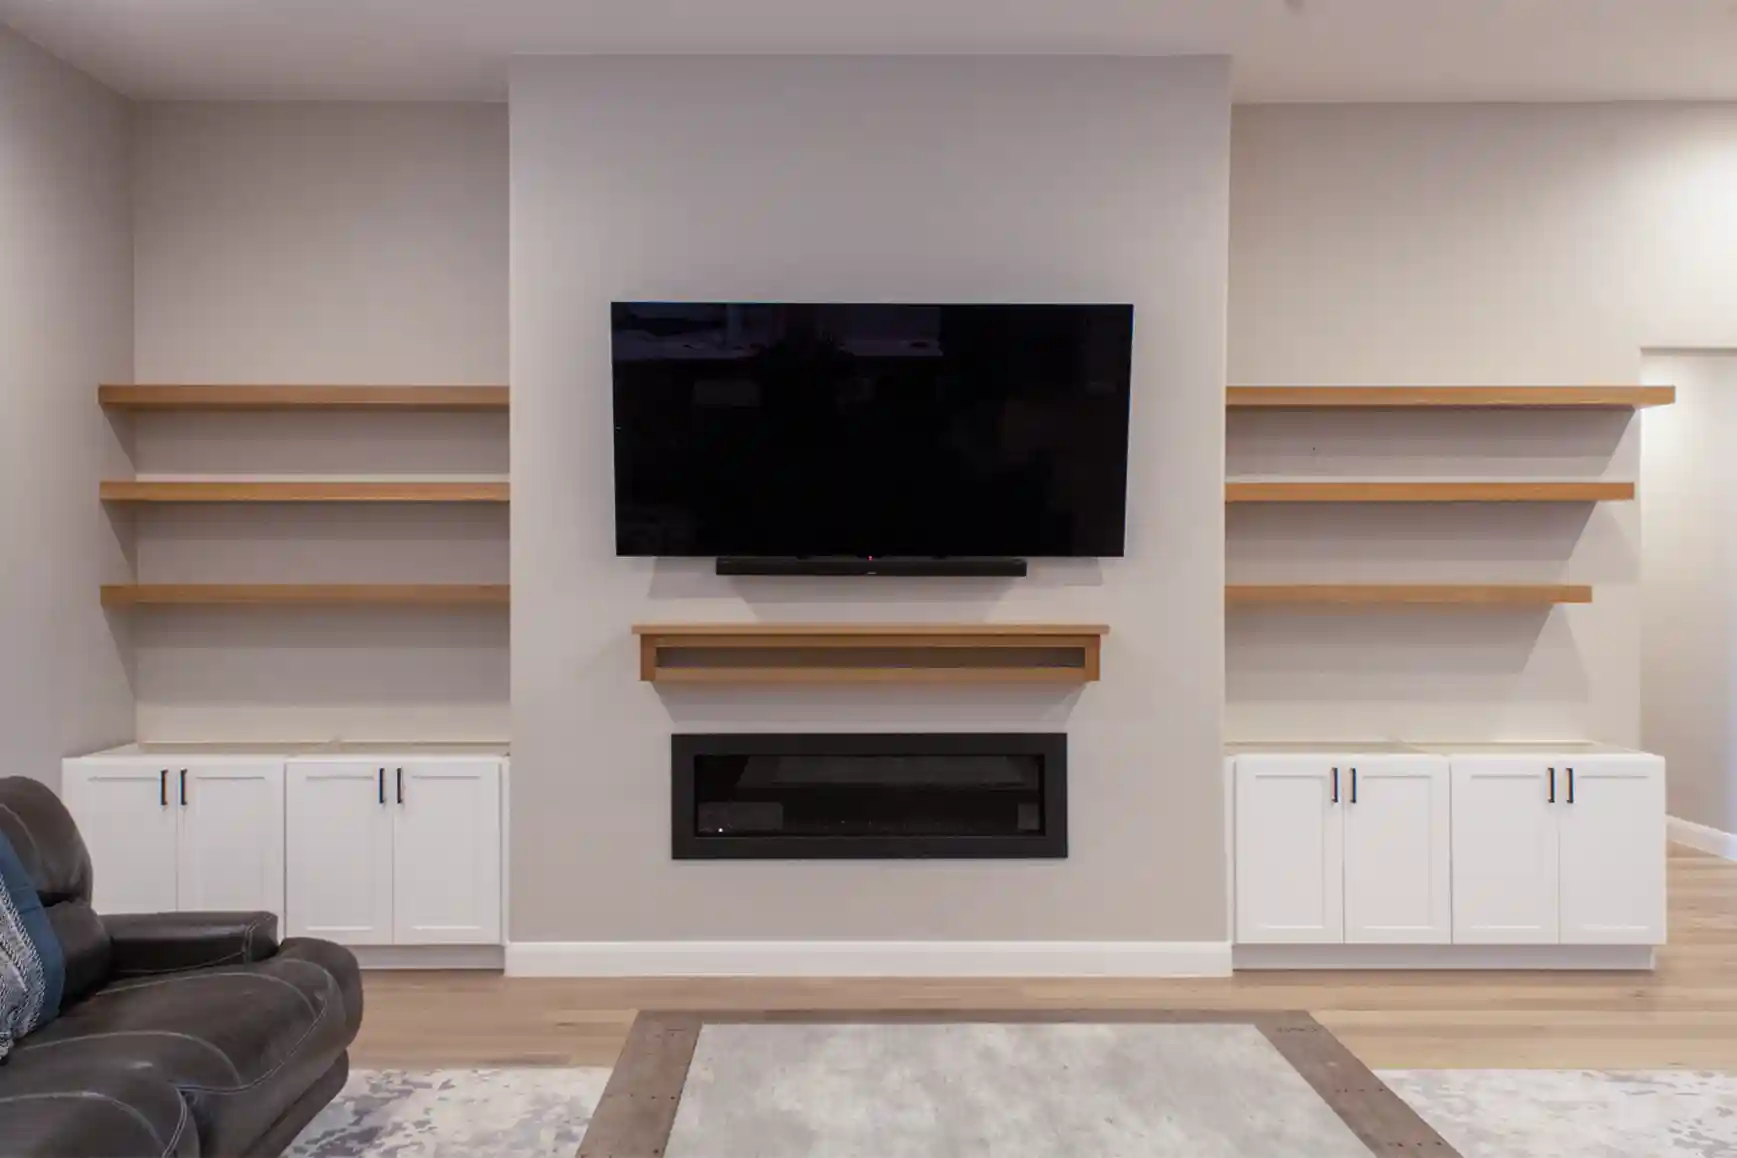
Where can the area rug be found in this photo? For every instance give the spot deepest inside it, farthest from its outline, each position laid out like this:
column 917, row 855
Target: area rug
column 1576, row 1113
column 543, row 1113
column 502, row 1113
column 997, row 1085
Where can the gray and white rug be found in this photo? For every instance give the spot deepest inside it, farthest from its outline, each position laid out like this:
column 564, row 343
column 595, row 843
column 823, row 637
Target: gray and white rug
column 1576, row 1113
column 542, row 1113
column 501, row 1113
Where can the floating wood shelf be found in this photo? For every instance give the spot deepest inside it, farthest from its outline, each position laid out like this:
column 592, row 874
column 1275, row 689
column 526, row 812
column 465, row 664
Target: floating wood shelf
column 1448, row 397
column 1405, row 595
column 1427, row 492
column 305, row 594
column 220, row 491
column 782, row 653
column 303, row 397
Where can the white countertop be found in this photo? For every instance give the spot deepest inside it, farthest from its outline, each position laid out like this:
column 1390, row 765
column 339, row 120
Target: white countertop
column 1428, row 748
column 1321, row 747
column 312, row 748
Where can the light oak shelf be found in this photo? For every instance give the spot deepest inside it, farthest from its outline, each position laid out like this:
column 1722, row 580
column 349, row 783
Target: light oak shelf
column 1405, row 594
column 1395, row 491
column 261, row 398
column 1448, row 397
column 219, row 491
column 305, row 594
column 758, row 653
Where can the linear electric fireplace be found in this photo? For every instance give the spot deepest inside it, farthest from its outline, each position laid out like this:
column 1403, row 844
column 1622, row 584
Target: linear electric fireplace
column 869, row 796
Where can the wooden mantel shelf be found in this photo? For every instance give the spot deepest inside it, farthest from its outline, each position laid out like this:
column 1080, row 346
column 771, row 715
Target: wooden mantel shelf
column 1448, row 397
column 1406, row 594
column 285, row 491
column 1403, row 491
column 302, row 397
column 305, row 594
column 774, row 653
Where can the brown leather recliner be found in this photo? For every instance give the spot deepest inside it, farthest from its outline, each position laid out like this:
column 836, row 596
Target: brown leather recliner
column 179, row 1034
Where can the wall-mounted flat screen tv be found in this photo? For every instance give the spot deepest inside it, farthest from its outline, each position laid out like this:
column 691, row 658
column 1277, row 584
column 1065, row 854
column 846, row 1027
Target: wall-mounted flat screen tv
column 870, row 429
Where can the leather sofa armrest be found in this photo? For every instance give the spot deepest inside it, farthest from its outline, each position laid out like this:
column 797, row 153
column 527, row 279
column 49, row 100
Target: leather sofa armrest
column 150, row 943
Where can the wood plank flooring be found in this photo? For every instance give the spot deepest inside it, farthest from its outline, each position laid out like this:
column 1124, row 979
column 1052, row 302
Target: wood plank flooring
column 1682, row 1015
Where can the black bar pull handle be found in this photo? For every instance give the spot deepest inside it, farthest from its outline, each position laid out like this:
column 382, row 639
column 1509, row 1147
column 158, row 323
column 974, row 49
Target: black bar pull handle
column 382, row 786
column 183, row 788
column 401, row 786
column 1552, row 786
column 1354, row 786
column 163, row 788
column 1571, row 786
column 1335, row 786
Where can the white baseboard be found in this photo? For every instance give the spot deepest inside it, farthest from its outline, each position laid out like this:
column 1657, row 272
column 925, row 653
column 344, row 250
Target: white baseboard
column 430, row 956
column 868, row 959
column 1566, row 957
column 1699, row 836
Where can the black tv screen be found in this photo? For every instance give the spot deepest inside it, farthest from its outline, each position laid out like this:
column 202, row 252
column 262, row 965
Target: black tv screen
column 857, row 429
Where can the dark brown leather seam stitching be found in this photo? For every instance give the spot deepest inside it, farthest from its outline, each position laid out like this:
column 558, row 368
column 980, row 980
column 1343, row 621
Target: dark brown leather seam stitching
column 50, row 1095
column 180, row 1126
column 32, row 1047
column 236, row 958
column 212, row 1091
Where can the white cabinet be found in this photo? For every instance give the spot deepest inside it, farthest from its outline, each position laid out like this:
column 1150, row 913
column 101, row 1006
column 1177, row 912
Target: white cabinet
column 395, row 852
column 1397, row 870
column 170, row 834
column 1559, row 850
column 1290, row 851
column 231, row 844
column 131, row 827
column 446, row 854
column 339, row 825
column 1613, row 852
column 1347, row 849
column 1505, row 860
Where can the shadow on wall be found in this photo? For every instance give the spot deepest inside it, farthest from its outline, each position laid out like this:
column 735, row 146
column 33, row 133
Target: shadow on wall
column 802, row 599
column 354, row 443
column 1414, row 656
column 1517, row 444
column 319, row 673
column 956, row 708
column 1447, row 543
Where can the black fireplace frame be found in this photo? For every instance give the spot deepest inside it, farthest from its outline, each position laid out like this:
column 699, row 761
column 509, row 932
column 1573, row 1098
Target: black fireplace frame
column 687, row 844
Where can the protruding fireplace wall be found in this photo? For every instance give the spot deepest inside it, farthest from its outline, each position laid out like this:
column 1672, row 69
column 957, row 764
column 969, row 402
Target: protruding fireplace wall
column 921, row 179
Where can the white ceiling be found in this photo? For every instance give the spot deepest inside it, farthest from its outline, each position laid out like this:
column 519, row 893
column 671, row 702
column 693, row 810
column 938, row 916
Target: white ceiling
column 1285, row 50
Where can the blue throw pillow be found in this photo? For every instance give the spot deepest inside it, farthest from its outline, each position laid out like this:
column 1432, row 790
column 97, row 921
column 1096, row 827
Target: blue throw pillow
column 32, row 967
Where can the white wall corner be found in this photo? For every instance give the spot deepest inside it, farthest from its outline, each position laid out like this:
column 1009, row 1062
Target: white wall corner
column 1701, row 837
column 868, row 959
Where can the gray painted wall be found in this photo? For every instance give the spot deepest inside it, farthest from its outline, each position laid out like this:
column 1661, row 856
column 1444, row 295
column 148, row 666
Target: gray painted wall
column 1463, row 244
column 321, row 243
column 1064, row 179
column 66, row 301
column 1689, row 626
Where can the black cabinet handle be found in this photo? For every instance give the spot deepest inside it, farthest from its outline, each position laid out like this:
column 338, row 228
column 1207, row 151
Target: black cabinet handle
column 1552, row 786
column 1354, row 786
column 1571, row 786
column 183, row 788
column 163, row 788
column 1335, row 786
column 401, row 786
column 382, row 786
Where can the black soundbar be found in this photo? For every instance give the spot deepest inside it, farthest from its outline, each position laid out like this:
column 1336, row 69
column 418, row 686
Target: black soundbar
column 932, row 565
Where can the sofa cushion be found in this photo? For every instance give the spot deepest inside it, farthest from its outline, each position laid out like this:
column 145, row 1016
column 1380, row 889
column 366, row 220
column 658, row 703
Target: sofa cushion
column 32, row 970
column 241, row 1043
column 84, row 943
column 47, row 841
column 93, row 1109
column 340, row 963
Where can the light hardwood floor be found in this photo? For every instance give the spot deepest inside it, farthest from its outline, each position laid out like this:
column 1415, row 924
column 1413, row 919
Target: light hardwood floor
column 1682, row 1015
